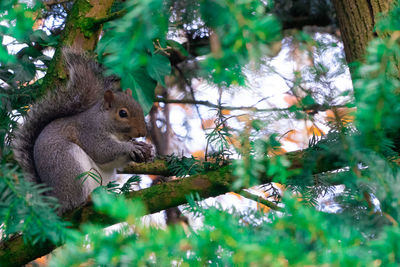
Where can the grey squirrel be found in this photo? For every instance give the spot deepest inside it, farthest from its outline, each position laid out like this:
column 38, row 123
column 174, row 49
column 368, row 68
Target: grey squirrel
column 86, row 126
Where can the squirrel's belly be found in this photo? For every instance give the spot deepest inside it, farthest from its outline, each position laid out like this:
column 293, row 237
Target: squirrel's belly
column 87, row 164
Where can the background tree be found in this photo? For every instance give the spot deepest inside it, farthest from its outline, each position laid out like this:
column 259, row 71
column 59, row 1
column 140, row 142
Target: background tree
column 159, row 48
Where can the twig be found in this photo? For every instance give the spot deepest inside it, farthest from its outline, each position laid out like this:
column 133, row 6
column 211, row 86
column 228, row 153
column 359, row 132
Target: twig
column 261, row 200
column 189, row 84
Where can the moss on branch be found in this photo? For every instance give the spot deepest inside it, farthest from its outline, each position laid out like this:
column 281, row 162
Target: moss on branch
column 82, row 30
column 158, row 167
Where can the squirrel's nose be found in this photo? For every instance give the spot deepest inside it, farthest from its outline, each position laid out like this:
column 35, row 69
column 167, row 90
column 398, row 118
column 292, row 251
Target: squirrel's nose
column 139, row 133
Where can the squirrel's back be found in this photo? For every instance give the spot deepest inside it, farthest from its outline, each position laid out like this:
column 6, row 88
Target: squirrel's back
column 85, row 87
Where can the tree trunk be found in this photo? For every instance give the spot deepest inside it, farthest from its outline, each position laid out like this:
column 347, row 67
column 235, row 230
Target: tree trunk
column 356, row 22
column 82, row 30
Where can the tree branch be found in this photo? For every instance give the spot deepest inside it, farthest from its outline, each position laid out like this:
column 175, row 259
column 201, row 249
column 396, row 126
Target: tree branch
column 158, row 167
column 261, row 200
column 112, row 16
column 312, row 108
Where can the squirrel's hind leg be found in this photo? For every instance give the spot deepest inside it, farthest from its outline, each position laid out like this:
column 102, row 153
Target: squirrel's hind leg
column 65, row 162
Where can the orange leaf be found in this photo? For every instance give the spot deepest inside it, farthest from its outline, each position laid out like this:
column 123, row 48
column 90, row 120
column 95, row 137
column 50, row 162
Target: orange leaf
column 280, row 186
column 278, row 151
column 346, row 115
column 291, row 100
column 314, row 130
column 291, row 136
column 225, row 112
column 208, row 123
column 38, row 24
column 262, row 207
column 234, row 140
column 153, row 177
column 244, row 118
column 42, row 261
column 198, row 154
column 187, row 108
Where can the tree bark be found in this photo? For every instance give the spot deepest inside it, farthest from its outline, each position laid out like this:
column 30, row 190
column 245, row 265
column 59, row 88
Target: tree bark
column 82, row 30
column 356, row 22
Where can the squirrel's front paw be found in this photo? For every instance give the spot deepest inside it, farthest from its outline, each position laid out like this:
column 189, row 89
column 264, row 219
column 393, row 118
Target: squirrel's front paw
column 142, row 152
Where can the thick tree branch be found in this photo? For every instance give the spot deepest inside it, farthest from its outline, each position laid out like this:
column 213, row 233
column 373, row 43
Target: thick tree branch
column 158, row 167
column 49, row 3
column 316, row 160
column 76, row 34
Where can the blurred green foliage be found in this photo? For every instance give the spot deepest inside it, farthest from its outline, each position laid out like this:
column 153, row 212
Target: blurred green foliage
column 24, row 208
column 301, row 236
column 241, row 32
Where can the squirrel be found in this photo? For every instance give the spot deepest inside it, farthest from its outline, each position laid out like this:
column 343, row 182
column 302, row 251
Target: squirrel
column 85, row 126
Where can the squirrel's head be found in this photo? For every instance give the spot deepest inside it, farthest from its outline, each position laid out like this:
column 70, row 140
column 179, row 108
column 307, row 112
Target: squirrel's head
column 126, row 115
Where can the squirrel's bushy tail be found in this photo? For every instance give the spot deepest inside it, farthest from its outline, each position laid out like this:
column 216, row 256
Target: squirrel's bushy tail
column 84, row 88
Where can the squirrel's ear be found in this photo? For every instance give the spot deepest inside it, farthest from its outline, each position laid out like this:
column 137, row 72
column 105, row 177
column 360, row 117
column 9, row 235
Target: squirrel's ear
column 129, row 92
column 108, row 99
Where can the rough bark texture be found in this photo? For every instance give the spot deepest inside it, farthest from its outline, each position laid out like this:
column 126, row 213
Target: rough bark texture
column 17, row 252
column 158, row 167
column 356, row 22
column 82, row 30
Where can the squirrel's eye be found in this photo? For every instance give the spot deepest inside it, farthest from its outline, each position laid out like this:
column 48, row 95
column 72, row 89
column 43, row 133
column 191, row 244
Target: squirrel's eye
column 123, row 113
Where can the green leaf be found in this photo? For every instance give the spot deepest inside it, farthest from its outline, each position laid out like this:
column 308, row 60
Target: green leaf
column 24, row 71
column 158, row 67
column 308, row 100
column 177, row 46
column 40, row 36
column 142, row 86
column 4, row 56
